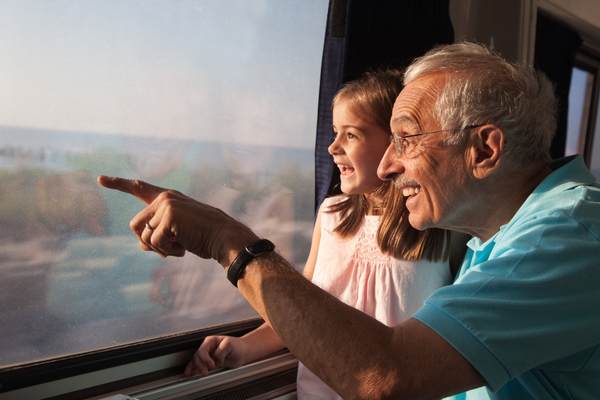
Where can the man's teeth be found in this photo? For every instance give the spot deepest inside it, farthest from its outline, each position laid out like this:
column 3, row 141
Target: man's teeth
column 410, row 191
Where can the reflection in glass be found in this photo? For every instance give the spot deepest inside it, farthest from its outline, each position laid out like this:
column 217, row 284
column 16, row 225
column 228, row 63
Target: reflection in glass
column 215, row 99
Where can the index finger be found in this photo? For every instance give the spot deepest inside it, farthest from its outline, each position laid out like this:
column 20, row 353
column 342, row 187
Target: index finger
column 140, row 189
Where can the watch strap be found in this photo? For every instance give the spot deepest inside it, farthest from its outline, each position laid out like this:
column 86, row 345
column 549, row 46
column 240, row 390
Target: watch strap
column 248, row 254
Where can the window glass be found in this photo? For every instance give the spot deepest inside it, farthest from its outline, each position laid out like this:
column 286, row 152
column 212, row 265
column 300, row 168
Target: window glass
column 579, row 105
column 217, row 99
column 595, row 154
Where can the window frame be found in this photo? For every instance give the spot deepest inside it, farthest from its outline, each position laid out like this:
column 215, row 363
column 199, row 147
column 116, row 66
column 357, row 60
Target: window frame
column 165, row 357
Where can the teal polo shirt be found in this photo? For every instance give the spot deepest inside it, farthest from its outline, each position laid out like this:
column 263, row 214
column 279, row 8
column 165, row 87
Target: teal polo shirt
column 525, row 307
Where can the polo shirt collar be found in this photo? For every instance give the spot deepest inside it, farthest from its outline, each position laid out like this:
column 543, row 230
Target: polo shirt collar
column 567, row 173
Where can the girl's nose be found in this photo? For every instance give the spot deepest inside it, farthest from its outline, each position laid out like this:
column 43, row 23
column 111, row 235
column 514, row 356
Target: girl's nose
column 335, row 148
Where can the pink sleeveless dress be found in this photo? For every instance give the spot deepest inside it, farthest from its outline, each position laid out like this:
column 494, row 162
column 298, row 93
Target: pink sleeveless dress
column 355, row 271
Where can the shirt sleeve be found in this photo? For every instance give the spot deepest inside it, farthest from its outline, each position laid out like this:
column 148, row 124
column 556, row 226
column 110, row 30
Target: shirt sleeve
column 532, row 301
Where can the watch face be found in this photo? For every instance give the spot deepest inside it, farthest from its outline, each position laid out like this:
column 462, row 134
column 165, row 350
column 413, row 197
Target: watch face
column 260, row 246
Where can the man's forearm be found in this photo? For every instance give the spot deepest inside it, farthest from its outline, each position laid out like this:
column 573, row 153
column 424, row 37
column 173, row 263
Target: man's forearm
column 337, row 342
column 359, row 357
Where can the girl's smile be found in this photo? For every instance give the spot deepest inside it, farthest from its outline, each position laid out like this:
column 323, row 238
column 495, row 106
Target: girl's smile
column 357, row 149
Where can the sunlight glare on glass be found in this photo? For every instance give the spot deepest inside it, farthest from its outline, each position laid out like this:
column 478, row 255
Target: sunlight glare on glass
column 579, row 103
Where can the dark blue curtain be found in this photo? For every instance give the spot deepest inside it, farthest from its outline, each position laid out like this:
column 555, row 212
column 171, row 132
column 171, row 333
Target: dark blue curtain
column 363, row 35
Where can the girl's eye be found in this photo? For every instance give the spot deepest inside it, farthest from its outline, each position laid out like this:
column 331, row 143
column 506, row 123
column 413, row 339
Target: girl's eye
column 350, row 135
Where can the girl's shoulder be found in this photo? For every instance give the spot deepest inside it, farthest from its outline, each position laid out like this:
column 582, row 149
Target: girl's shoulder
column 330, row 201
column 330, row 220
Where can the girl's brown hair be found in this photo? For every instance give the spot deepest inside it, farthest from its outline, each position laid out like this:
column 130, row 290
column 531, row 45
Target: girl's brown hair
column 373, row 96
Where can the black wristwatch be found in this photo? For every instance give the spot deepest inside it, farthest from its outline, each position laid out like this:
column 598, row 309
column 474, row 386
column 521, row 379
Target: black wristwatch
column 250, row 252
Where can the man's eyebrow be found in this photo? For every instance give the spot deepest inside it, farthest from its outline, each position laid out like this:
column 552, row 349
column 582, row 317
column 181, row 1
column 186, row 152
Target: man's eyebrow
column 403, row 119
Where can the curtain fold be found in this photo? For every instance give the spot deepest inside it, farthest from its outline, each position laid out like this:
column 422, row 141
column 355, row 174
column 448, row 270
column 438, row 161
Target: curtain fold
column 364, row 35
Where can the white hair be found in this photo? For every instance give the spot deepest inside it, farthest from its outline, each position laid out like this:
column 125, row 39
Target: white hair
column 483, row 88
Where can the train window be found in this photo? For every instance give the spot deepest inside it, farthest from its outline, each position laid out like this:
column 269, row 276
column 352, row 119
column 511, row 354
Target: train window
column 215, row 99
column 580, row 95
column 595, row 148
column 583, row 123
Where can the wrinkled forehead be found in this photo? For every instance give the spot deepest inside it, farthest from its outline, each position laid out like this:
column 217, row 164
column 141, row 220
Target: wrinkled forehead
column 415, row 104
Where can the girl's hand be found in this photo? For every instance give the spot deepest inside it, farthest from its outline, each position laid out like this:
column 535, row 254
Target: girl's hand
column 215, row 352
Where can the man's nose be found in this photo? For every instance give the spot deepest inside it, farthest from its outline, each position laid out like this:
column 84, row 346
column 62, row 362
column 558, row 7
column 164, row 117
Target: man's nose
column 391, row 164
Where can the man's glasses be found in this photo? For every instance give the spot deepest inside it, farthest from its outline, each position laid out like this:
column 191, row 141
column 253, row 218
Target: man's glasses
column 404, row 145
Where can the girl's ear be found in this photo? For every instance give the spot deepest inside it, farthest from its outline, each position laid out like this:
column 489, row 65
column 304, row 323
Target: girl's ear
column 486, row 148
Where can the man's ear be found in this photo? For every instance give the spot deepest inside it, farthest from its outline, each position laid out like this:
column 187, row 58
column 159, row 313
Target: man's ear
column 486, row 148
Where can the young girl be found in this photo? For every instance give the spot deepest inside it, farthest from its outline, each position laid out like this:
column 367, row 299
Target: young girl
column 363, row 251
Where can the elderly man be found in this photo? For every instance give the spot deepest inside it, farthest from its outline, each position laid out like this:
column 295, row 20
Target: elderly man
column 471, row 151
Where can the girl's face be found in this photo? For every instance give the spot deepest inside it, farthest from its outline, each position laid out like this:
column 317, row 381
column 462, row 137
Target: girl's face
column 357, row 149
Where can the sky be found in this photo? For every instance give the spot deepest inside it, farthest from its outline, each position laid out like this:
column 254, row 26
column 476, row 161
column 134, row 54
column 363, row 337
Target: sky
column 244, row 71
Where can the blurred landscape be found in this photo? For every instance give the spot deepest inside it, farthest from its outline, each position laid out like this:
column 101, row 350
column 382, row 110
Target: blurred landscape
column 73, row 275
